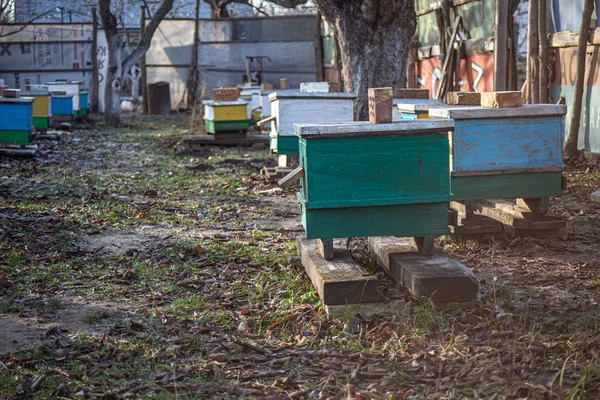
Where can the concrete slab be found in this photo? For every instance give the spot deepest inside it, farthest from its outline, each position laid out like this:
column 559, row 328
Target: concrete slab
column 339, row 281
column 596, row 196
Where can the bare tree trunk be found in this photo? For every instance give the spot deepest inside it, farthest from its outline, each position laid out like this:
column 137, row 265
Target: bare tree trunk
column 584, row 33
column 374, row 38
column 118, row 66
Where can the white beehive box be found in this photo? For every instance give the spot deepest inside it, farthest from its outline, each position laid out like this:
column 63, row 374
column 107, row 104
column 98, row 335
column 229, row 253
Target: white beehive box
column 291, row 107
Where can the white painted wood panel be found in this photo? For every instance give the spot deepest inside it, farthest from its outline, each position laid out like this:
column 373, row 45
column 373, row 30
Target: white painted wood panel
column 306, row 111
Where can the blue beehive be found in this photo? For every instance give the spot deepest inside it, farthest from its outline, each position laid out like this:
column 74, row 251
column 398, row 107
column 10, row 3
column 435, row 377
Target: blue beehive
column 61, row 107
column 16, row 116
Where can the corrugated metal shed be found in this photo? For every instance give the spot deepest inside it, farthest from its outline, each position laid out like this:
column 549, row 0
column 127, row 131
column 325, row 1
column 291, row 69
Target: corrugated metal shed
column 79, row 11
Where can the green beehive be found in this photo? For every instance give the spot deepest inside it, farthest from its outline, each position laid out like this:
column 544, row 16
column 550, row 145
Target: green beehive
column 362, row 179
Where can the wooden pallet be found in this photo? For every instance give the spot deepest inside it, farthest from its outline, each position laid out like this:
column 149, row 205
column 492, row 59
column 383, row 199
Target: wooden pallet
column 525, row 221
column 191, row 141
column 18, row 151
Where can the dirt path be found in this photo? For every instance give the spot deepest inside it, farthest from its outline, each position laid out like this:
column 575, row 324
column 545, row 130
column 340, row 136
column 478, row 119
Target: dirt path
column 131, row 270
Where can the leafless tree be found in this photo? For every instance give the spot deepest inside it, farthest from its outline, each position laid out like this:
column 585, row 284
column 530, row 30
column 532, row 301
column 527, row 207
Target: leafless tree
column 117, row 65
column 7, row 18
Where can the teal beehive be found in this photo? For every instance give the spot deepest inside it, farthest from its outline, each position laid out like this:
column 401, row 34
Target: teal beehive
column 363, row 179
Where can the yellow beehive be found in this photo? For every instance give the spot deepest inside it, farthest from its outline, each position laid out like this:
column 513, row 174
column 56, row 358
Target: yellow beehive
column 41, row 105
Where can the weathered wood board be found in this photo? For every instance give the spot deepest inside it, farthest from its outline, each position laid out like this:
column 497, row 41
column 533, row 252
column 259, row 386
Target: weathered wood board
column 338, row 281
column 438, row 278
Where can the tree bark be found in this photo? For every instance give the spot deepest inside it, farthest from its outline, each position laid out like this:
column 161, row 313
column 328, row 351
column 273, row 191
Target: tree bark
column 374, row 37
column 584, row 34
column 117, row 66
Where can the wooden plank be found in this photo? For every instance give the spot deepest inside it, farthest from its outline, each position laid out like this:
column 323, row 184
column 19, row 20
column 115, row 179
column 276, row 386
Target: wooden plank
column 339, row 281
column 191, row 140
column 512, row 215
column 366, row 129
column 290, row 179
column 448, row 59
column 571, row 38
column 527, row 110
column 440, row 279
column 474, row 226
column 508, row 171
column 501, row 18
column 507, row 186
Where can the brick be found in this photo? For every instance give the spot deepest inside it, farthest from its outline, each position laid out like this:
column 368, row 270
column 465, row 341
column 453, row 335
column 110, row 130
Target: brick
column 266, row 86
column 380, row 105
column 58, row 93
column 11, row 93
column 463, row 98
column 284, row 84
column 596, row 196
column 226, row 94
column 411, row 93
column 501, row 99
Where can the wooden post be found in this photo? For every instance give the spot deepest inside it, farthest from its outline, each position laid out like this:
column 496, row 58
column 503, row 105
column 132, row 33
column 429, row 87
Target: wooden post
column 533, row 54
column 319, row 50
column 95, row 72
column 144, row 78
column 501, row 45
column 411, row 72
column 544, row 67
column 193, row 78
column 584, row 33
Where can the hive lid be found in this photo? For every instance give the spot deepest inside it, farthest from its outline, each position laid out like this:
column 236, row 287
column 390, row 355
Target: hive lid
column 476, row 112
column 297, row 94
column 18, row 100
column 35, row 93
column 365, row 128
column 224, row 103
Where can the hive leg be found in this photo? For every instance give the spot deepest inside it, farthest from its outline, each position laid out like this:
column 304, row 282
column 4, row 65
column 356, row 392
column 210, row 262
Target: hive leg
column 424, row 244
column 325, row 248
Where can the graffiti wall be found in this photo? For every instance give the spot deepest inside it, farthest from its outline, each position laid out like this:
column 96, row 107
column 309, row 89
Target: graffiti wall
column 476, row 74
column 563, row 85
column 46, row 52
